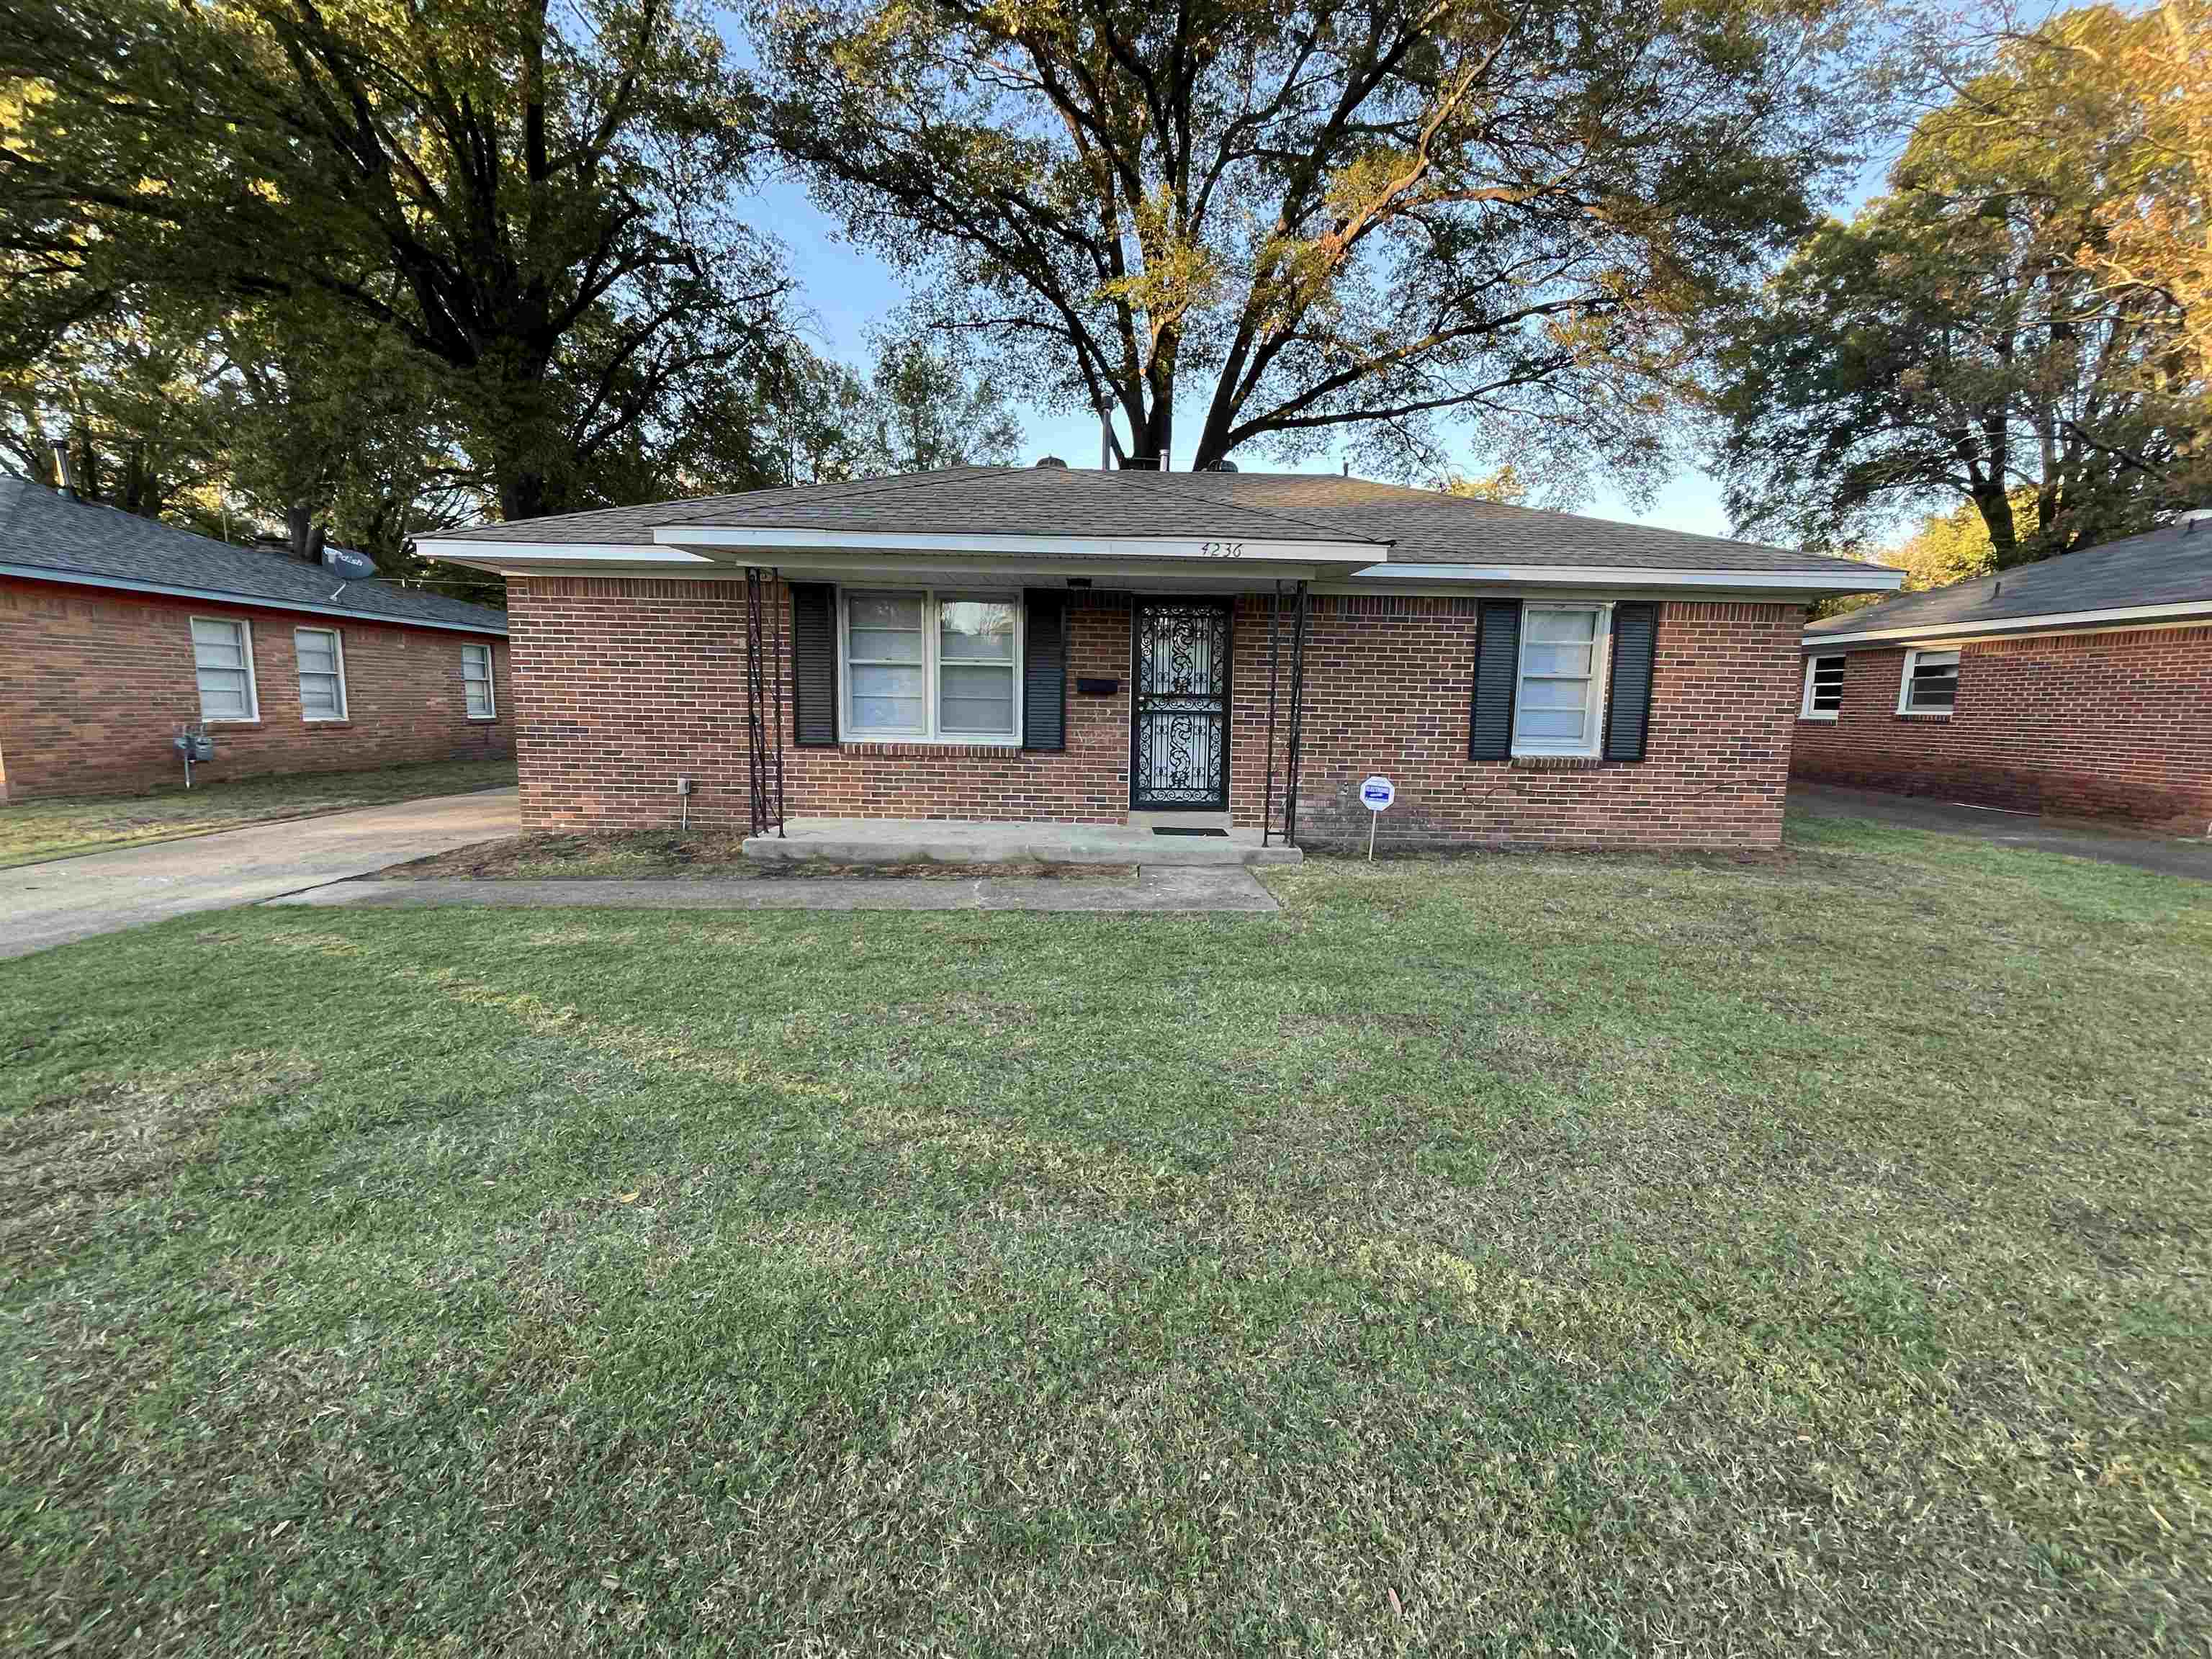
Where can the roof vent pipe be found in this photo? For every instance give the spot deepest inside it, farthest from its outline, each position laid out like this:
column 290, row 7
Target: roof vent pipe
column 64, row 473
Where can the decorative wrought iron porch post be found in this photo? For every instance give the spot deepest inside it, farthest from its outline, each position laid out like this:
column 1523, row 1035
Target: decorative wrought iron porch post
column 782, row 594
column 755, row 690
column 1274, row 654
column 1297, row 722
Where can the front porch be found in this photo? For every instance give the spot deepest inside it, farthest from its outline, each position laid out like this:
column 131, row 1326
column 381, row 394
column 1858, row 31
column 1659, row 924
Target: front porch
column 959, row 841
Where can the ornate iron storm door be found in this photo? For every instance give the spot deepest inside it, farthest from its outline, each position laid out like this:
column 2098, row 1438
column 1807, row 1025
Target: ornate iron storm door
column 1179, row 719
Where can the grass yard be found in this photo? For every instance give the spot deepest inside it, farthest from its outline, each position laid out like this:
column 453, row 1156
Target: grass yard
column 33, row 830
column 1548, row 1254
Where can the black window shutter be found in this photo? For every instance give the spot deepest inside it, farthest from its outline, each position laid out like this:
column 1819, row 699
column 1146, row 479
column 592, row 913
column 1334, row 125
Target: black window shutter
column 814, row 665
column 1496, row 672
column 1044, row 670
column 1628, row 694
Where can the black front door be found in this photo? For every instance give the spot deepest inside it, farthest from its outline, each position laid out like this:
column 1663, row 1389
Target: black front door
column 1179, row 724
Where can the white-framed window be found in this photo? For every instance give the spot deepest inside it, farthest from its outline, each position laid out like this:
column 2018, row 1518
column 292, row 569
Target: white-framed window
column 222, row 661
column 934, row 667
column 1823, row 698
column 1929, row 684
column 475, row 681
column 1560, row 699
column 321, row 654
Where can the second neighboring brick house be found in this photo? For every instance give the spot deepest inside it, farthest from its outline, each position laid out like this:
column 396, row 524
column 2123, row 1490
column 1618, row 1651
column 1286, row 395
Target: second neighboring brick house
column 1197, row 652
column 2079, row 686
column 116, row 632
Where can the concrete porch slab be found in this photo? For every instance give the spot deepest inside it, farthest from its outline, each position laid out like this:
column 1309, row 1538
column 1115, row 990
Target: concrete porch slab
column 963, row 841
column 1156, row 891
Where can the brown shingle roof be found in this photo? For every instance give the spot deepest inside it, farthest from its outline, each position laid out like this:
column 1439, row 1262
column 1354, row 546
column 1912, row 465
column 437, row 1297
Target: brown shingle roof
column 43, row 531
column 2168, row 567
column 1419, row 526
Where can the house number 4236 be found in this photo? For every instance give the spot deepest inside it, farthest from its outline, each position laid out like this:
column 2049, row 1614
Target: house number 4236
column 1222, row 549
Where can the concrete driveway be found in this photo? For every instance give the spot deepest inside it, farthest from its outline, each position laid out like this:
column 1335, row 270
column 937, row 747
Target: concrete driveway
column 44, row 904
column 2169, row 856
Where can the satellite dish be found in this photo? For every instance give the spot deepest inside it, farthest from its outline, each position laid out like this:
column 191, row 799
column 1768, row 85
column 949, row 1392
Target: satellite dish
column 354, row 566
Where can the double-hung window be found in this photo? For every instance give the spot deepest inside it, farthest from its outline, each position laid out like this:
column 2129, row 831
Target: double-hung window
column 1824, row 688
column 475, row 681
column 1560, row 699
column 223, row 662
column 322, row 673
column 1930, row 682
column 937, row 666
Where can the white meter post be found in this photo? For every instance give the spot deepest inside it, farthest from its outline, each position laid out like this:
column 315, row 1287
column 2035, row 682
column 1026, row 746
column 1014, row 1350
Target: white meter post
column 1375, row 794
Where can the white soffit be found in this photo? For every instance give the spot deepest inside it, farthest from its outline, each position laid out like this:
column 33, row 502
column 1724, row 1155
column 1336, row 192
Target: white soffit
column 1110, row 549
column 1626, row 575
column 492, row 554
column 2048, row 622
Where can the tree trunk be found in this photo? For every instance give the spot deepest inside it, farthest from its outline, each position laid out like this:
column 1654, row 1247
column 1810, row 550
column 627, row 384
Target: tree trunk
column 1996, row 508
column 531, row 456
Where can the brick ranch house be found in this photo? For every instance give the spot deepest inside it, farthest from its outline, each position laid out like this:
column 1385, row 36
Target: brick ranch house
column 116, row 632
column 2081, row 685
column 1201, row 651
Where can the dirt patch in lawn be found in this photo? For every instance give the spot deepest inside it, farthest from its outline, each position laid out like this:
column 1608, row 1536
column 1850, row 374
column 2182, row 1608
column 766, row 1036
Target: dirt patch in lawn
column 704, row 854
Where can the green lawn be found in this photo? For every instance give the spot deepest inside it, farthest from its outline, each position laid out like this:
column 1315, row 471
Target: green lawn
column 1514, row 1254
column 34, row 830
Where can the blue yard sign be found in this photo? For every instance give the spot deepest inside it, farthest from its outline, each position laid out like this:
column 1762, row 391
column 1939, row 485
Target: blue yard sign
column 1375, row 794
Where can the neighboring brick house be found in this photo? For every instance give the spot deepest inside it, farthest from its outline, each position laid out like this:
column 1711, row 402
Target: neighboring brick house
column 116, row 632
column 2079, row 686
column 1192, row 651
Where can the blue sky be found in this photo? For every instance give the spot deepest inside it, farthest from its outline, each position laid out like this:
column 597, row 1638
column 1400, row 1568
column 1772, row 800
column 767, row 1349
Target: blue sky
column 846, row 289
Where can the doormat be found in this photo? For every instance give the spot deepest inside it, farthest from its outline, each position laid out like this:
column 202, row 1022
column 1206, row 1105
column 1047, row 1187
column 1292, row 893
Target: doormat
column 1181, row 829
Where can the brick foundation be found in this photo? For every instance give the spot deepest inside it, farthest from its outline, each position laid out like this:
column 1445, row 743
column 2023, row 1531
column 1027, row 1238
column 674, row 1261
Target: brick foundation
column 2113, row 725
column 625, row 684
column 93, row 683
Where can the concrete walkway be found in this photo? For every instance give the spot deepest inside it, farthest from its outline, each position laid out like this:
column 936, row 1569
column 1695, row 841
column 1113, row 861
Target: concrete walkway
column 2167, row 855
column 976, row 841
column 44, row 904
column 1229, row 887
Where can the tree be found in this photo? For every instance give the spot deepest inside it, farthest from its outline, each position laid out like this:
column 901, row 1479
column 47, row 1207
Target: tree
column 332, row 431
column 1950, row 342
column 2153, row 71
column 1504, row 484
column 134, row 405
column 1318, row 221
column 1953, row 546
column 538, row 209
column 929, row 411
column 918, row 409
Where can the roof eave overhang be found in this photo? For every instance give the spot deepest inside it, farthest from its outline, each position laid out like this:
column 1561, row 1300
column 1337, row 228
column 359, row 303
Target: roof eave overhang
column 2047, row 622
column 255, row 601
column 709, row 554
column 1764, row 584
column 792, row 547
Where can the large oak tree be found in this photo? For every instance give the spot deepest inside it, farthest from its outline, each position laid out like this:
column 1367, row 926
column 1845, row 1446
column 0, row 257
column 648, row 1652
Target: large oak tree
column 1963, row 339
column 536, row 201
column 1315, row 219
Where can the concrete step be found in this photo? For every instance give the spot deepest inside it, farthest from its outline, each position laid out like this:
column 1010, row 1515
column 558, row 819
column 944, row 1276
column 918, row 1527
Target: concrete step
column 959, row 841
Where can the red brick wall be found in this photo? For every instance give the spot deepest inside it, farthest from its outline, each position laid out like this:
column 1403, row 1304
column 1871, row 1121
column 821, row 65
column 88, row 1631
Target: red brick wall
column 93, row 683
column 628, row 684
column 1387, row 689
column 2115, row 724
column 625, row 684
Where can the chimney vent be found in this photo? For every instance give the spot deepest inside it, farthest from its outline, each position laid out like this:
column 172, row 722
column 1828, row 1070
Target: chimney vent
column 64, row 471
